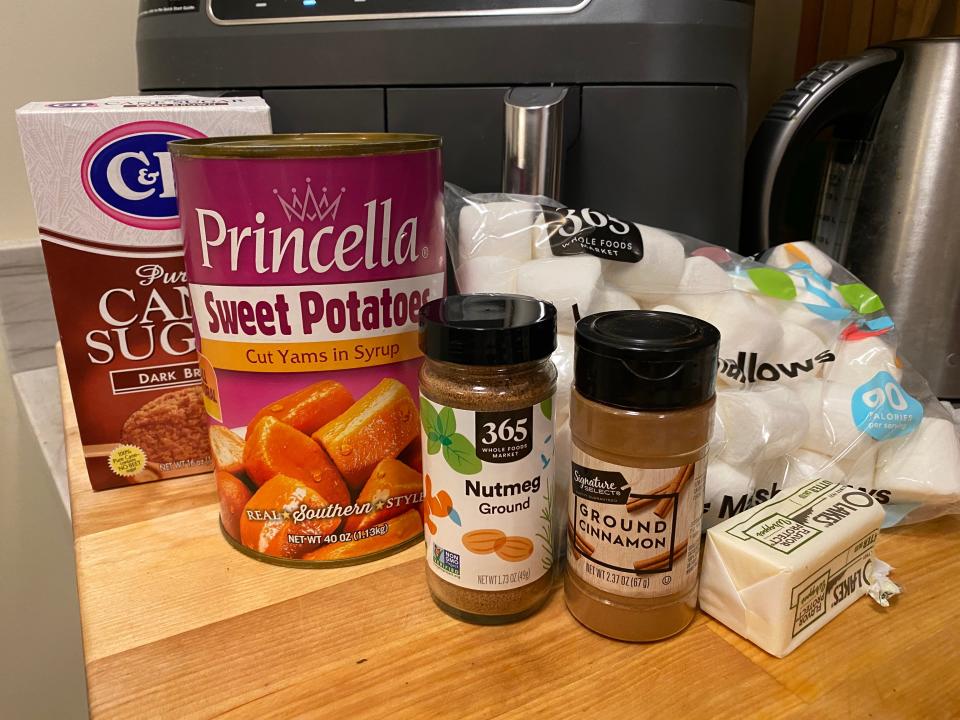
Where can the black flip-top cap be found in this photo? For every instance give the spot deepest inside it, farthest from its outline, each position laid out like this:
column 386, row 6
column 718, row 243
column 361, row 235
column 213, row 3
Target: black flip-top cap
column 646, row 360
column 488, row 329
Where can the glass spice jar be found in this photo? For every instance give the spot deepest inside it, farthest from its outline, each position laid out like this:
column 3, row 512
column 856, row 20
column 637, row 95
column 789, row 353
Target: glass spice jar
column 486, row 406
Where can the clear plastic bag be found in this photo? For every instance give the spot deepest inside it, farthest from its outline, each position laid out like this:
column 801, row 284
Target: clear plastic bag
column 809, row 382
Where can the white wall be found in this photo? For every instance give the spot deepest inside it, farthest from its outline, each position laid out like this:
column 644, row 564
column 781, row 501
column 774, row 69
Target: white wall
column 56, row 51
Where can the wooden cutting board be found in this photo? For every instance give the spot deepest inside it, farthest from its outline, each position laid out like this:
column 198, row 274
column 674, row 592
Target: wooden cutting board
column 177, row 624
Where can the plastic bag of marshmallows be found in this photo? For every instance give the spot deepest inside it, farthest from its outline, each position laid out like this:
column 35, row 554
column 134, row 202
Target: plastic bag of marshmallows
column 809, row 382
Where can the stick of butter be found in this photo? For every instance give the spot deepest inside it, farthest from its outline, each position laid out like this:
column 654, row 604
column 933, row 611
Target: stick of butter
column 782, row 570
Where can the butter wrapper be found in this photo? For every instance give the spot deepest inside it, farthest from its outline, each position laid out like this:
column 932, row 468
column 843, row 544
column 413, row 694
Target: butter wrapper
column 781, row 571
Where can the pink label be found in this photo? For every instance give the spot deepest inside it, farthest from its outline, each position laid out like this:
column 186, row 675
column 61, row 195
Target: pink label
column 324, row 256
column 306, row 277
column 378, row 218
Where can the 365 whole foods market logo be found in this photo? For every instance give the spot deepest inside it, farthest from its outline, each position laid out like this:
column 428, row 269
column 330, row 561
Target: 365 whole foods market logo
column 128, row 174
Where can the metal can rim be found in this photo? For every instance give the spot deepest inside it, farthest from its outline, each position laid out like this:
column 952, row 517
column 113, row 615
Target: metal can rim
column 300, row 145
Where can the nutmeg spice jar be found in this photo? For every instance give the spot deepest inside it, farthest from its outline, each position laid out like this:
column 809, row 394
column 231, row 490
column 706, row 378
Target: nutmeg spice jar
column 641, row 413
column 486, row 409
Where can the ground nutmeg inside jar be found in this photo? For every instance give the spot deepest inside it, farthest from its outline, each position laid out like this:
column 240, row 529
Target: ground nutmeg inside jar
column 486, row 410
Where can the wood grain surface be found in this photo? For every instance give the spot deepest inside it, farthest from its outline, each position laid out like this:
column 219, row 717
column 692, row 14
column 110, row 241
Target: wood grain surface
column 177, row 624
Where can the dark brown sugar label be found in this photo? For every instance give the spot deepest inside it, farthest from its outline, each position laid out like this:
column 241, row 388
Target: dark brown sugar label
column 126, row 330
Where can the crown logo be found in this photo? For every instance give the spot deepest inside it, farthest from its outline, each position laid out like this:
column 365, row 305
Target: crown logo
column 308, row 207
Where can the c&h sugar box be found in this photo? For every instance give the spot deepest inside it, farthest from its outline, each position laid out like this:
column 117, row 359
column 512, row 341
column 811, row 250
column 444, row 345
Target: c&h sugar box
column 106, row 206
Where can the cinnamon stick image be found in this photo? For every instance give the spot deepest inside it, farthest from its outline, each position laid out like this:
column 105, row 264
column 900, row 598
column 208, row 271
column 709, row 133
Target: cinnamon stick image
column 663, row 559
column 580, row 543
column 640, row 503
column 572, row 541
column 664, row 506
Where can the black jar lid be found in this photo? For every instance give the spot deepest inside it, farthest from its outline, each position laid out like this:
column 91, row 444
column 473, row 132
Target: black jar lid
column 645, row 360
column 488, row 329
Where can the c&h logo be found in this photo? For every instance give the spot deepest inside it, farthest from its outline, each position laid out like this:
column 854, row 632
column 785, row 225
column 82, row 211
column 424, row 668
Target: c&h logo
column 127, row 173
column 72, row 105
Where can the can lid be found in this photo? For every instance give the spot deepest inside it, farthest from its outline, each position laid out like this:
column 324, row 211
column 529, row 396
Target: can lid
column 293, row 145
column 645, row 360
column 488, row 329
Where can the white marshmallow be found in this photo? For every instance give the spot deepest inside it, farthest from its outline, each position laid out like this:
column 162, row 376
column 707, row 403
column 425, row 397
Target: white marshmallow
column 503, row 229
column 694, row 304
column 541, row 237
column 858, row 361
column 541, row 232
column 488, row 273
column 923, row 466
column 609, row 299
column 744, row 325
column 816, row 464
column 563, row 360
column 824, row 328
column 831, row 428
column 762, row 423
column 859, row 466
column 818, row 295
column 703, row 275
column 727, row 491
column 669, row 309
column 796, row 468
column 562, row 281
column 809, row 297
column 718, row 438
column 783, row 256
column 799, row 345
column 658, row 272
column 740, row 281
column 795, row 312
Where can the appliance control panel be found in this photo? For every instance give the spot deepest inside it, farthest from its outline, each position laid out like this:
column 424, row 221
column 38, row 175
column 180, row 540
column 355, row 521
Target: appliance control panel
column 230, row 12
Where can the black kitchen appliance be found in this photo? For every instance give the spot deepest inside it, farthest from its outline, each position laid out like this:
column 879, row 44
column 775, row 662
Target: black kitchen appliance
column 653, row 114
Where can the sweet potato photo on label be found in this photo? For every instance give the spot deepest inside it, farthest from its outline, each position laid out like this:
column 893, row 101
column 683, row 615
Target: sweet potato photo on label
column 226, row 447
column 411, row 455
column 307, row 339
column 391, row 489
column 273, row 448
column 378, row 426
column 270, row 518
column 310, row 408
column 234, row 496
column 399, row 530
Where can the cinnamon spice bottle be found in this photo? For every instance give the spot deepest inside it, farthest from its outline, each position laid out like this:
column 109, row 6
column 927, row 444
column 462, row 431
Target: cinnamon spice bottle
column 641, row 413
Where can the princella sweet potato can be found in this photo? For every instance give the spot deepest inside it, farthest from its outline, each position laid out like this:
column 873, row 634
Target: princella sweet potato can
column 308, row 259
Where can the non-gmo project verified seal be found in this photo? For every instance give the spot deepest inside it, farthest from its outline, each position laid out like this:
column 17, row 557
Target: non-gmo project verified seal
column 447, row 561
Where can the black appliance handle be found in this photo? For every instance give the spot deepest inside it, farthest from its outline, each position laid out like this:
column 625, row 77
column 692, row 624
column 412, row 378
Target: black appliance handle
column 852, row 90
